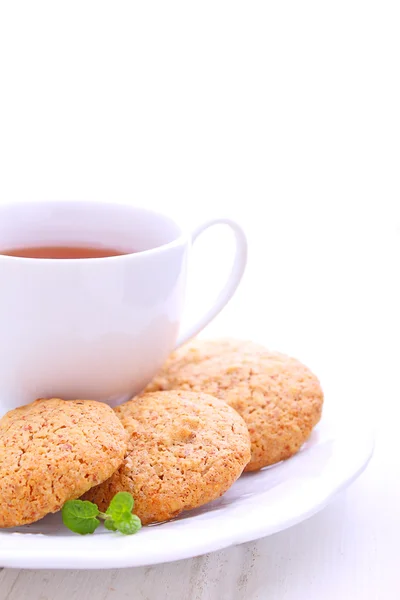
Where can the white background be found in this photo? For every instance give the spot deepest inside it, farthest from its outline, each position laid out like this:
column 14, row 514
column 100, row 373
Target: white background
column 285, row 116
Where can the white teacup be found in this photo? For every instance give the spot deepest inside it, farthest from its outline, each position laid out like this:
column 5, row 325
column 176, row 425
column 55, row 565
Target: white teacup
column 96, row 328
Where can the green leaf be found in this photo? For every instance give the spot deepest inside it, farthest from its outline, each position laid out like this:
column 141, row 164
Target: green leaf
column 120, row 506
column 129, row 525
column 109, row 524
column 80, row 516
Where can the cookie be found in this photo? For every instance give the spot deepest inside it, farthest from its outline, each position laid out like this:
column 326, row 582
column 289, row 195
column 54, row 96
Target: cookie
column 185, row 450
column 278, row 397
column 52, row 451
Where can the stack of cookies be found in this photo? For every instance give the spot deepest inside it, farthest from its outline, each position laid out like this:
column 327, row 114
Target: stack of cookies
column 216, row 409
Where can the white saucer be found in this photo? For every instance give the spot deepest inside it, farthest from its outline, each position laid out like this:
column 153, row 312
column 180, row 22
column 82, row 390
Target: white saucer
column 259, row 504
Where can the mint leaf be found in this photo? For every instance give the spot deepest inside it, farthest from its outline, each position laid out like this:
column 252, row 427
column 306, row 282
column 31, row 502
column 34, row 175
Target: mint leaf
column 80, row 516
column 120, row 506
column 109, row 524
column 129, row 525
column 120, row 515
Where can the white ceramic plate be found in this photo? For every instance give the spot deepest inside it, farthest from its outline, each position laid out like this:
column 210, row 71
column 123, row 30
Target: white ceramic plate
column 258, row 505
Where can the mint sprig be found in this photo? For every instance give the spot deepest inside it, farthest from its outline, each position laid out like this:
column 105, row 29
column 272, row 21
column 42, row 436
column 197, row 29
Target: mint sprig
column 82, row 516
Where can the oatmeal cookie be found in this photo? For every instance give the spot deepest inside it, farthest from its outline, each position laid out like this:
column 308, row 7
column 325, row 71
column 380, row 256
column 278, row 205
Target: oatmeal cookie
column 185, row 450
column 52, row 451
column 279, row 398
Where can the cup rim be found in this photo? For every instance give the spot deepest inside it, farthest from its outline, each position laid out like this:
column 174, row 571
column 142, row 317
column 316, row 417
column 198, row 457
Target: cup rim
column 136, row 255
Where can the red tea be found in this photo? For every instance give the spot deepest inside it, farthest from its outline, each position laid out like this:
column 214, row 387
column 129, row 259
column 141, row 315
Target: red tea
column 63, row 252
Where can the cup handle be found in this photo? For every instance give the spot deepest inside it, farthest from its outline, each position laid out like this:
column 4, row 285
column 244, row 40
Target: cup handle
column 232, row 282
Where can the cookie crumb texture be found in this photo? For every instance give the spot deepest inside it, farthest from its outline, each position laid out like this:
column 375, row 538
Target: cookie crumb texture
column 185, row 450
column 279, row 398
column 52, row 451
